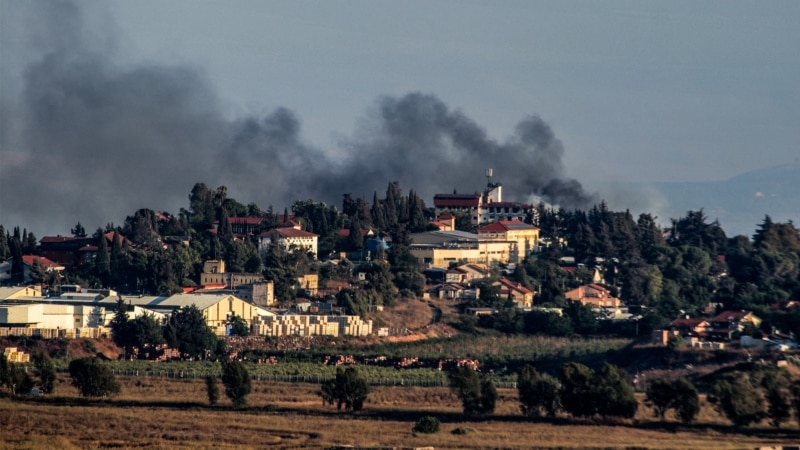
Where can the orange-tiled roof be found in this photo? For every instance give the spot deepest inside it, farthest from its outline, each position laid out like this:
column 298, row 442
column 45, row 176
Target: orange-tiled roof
column 597, row 287
column 516, row 286
column 30, row 259
column 293, row 232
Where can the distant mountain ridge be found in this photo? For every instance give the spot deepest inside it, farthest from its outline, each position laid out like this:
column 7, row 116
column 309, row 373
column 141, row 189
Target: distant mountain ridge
column 741, row 202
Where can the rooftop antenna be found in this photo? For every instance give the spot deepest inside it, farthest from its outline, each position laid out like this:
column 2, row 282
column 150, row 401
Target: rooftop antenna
column 489, row 176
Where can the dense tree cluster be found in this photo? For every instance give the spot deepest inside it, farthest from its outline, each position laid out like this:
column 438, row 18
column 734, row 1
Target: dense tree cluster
column 185, row 329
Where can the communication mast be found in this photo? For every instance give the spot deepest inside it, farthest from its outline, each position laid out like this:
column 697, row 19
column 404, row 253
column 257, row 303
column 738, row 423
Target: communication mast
column 489, row 176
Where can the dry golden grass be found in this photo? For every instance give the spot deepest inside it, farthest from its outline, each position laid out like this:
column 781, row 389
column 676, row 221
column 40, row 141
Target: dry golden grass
column 164, row 413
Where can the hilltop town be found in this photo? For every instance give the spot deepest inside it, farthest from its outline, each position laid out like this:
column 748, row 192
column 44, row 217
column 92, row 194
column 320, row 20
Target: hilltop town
column 328, row 271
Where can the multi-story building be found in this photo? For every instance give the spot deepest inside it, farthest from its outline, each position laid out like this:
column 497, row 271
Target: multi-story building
column 251, row 287
column 521, row 237
column 290, row 237
column 483, row 208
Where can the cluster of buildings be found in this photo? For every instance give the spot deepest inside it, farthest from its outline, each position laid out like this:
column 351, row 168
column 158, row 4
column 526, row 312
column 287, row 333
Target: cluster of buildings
column 722, row 329
column 504, row 236
column 74, row 311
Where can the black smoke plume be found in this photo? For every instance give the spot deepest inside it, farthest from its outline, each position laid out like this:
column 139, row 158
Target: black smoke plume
column 88, row 139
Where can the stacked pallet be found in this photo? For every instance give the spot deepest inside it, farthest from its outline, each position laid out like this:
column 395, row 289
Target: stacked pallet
column 16, row 356
column 310, row 325
column 16, row 331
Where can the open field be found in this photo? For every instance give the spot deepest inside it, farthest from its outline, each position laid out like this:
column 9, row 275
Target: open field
column 165, row 413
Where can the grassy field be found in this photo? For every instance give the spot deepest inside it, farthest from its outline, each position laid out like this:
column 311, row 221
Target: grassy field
column 166, row 413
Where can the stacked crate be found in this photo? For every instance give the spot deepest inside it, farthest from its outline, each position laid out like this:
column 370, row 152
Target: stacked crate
column 310, row 325
column 16, row 356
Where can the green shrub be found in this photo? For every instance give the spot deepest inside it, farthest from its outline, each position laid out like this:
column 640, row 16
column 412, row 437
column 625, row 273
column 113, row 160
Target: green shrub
column 427, row 425
column 93, row 378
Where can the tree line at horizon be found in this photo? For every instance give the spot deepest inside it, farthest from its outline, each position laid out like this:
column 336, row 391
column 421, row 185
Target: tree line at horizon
column 669, row 272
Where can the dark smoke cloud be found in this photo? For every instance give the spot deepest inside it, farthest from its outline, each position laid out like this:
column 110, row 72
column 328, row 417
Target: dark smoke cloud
column 419, row 141
column 94, row 140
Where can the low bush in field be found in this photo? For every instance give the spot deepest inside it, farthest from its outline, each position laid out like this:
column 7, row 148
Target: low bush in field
column 427, row 425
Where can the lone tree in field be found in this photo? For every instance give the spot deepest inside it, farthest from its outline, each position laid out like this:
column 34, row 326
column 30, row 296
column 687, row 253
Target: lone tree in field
column 212, row 390
column 350, row 389
column 538, row 394
column 93, row 378
column 236, row 381
column 477, row 392
column 46, row 368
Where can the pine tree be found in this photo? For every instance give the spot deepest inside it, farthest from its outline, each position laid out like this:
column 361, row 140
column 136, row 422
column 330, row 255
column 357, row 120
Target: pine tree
column 46, row 368
column 237, row 383
column 102, row 263
column 212, row 390
column 78, row 231
column 5, row 250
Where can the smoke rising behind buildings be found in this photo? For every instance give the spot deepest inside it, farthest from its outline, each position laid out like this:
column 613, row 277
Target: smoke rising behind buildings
column 89, row 139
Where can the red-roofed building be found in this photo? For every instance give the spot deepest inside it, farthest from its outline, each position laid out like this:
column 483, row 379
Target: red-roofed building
column 289, row 237
column 522, row 296
column 29, row 260
column 65, row 250
column 594, row 295
column 245, row 225
column 485, row 207
column 690, row 328
column 522, row 237
column 445, row 222
column 728, row 325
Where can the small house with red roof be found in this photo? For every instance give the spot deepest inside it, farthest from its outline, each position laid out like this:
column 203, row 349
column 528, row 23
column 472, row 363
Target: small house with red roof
column 445, row 222
column 690, row 328
column 593, row 295
column 522, row 296
column 28, row 262
column 728, row 325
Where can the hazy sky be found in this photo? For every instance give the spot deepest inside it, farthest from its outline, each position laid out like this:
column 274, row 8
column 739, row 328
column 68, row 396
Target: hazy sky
column 110, row 106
